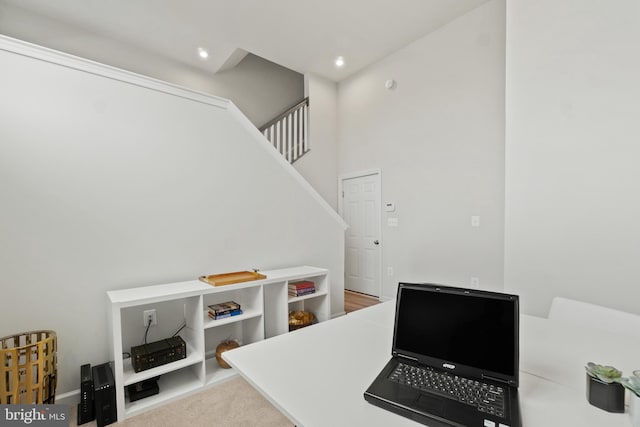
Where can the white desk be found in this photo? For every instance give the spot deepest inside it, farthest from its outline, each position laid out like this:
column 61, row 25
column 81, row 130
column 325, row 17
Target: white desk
column 558, row 351
column 317, row 376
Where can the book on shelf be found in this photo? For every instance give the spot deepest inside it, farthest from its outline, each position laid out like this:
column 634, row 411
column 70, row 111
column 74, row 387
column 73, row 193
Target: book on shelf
column 303, row 284
column 302, row 292
column 223, row 307
column 225, row 315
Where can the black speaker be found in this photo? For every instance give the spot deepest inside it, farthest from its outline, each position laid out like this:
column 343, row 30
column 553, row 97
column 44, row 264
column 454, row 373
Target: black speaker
column 104, row 395
column 86, row 411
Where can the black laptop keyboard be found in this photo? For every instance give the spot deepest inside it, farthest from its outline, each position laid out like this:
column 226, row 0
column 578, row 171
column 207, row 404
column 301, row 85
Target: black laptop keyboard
column 485, row 397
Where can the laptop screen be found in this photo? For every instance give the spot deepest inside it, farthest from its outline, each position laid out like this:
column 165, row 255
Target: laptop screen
column 468, row 331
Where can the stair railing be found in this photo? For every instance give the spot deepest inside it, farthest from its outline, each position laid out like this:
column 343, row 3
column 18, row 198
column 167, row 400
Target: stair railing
column 289, row 131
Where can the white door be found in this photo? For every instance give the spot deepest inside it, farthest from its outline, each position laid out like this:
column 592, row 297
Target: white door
column 361, row 211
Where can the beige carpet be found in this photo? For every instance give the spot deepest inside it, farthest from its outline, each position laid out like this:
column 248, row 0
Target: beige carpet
column 233, row 403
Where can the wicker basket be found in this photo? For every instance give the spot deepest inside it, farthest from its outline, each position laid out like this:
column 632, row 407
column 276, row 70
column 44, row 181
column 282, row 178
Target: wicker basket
column 301, row 319
column 28, row 368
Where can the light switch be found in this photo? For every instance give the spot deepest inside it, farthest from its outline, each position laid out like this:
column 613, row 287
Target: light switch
column 390, row 207
column 475, row 221
column 392, row 222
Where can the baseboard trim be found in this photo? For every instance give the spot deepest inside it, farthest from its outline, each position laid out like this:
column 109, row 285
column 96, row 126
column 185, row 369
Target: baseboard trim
column 69, row 398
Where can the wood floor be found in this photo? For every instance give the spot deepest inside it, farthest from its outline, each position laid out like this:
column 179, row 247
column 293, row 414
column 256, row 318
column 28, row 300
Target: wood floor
column 355, row 301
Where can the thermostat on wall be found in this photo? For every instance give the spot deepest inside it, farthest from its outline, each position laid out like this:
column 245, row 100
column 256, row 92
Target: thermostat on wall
column 390, row 207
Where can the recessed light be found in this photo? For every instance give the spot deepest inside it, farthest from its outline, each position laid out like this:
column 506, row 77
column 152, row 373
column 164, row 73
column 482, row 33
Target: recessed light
column 339, row 62
column 202, row 52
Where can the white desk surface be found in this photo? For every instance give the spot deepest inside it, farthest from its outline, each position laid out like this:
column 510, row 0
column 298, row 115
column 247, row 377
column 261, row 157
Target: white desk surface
column 317, row 375
column 559, row 351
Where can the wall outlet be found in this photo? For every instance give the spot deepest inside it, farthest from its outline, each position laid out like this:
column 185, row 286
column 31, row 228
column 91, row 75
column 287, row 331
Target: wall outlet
column 149, row 315
column 389, row 271
column 475, row 282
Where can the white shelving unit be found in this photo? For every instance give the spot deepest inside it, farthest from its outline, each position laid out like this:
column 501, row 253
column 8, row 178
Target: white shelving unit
column 265, row 304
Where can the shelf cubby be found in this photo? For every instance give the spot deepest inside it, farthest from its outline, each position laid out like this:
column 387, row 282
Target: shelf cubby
column 171, row 385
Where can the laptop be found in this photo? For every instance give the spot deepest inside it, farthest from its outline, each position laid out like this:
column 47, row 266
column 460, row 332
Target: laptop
column 455, row 358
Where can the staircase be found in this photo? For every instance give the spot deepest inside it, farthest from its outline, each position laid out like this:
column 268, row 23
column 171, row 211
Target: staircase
column 289, row 132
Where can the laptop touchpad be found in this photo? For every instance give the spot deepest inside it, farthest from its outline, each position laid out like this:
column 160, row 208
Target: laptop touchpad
column 430, row 404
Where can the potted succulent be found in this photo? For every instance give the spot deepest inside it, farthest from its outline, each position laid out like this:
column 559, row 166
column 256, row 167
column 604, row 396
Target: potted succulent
column 604, row 389
column 633, row 385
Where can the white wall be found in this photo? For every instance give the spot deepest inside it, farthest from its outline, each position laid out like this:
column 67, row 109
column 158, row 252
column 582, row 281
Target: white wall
column 572, row 132
column 320, row 165
column 260, row 88
column 439, row 140
column 107, row 184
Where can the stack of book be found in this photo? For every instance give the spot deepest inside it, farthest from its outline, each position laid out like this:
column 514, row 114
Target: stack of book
column 304, row 287
column 224, row 309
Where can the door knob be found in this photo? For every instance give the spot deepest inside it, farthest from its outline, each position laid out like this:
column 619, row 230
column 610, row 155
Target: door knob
column 376, row 242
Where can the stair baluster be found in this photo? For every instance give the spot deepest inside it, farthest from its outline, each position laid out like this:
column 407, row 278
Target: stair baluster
column 289, row 131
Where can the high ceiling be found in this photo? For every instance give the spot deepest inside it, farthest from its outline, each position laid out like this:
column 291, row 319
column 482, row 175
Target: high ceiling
column 303, row 35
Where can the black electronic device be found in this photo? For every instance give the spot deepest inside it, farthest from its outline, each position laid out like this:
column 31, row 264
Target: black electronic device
column 86, row 410
column 104, row 394
column 147, row 356
column 455, row 358
column 143, row 389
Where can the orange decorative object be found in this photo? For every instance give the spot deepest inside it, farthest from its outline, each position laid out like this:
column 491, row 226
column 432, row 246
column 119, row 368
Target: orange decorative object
column 230, row 278
column 300, row 319
column 221, row 348
column 28, row 368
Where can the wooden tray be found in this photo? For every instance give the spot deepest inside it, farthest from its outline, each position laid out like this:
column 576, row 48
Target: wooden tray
column 230, row 278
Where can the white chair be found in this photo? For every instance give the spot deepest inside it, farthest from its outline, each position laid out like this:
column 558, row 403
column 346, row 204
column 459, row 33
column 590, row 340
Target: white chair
column 595, row 316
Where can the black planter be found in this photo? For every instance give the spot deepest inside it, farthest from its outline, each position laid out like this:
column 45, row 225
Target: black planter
column 607, row 396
